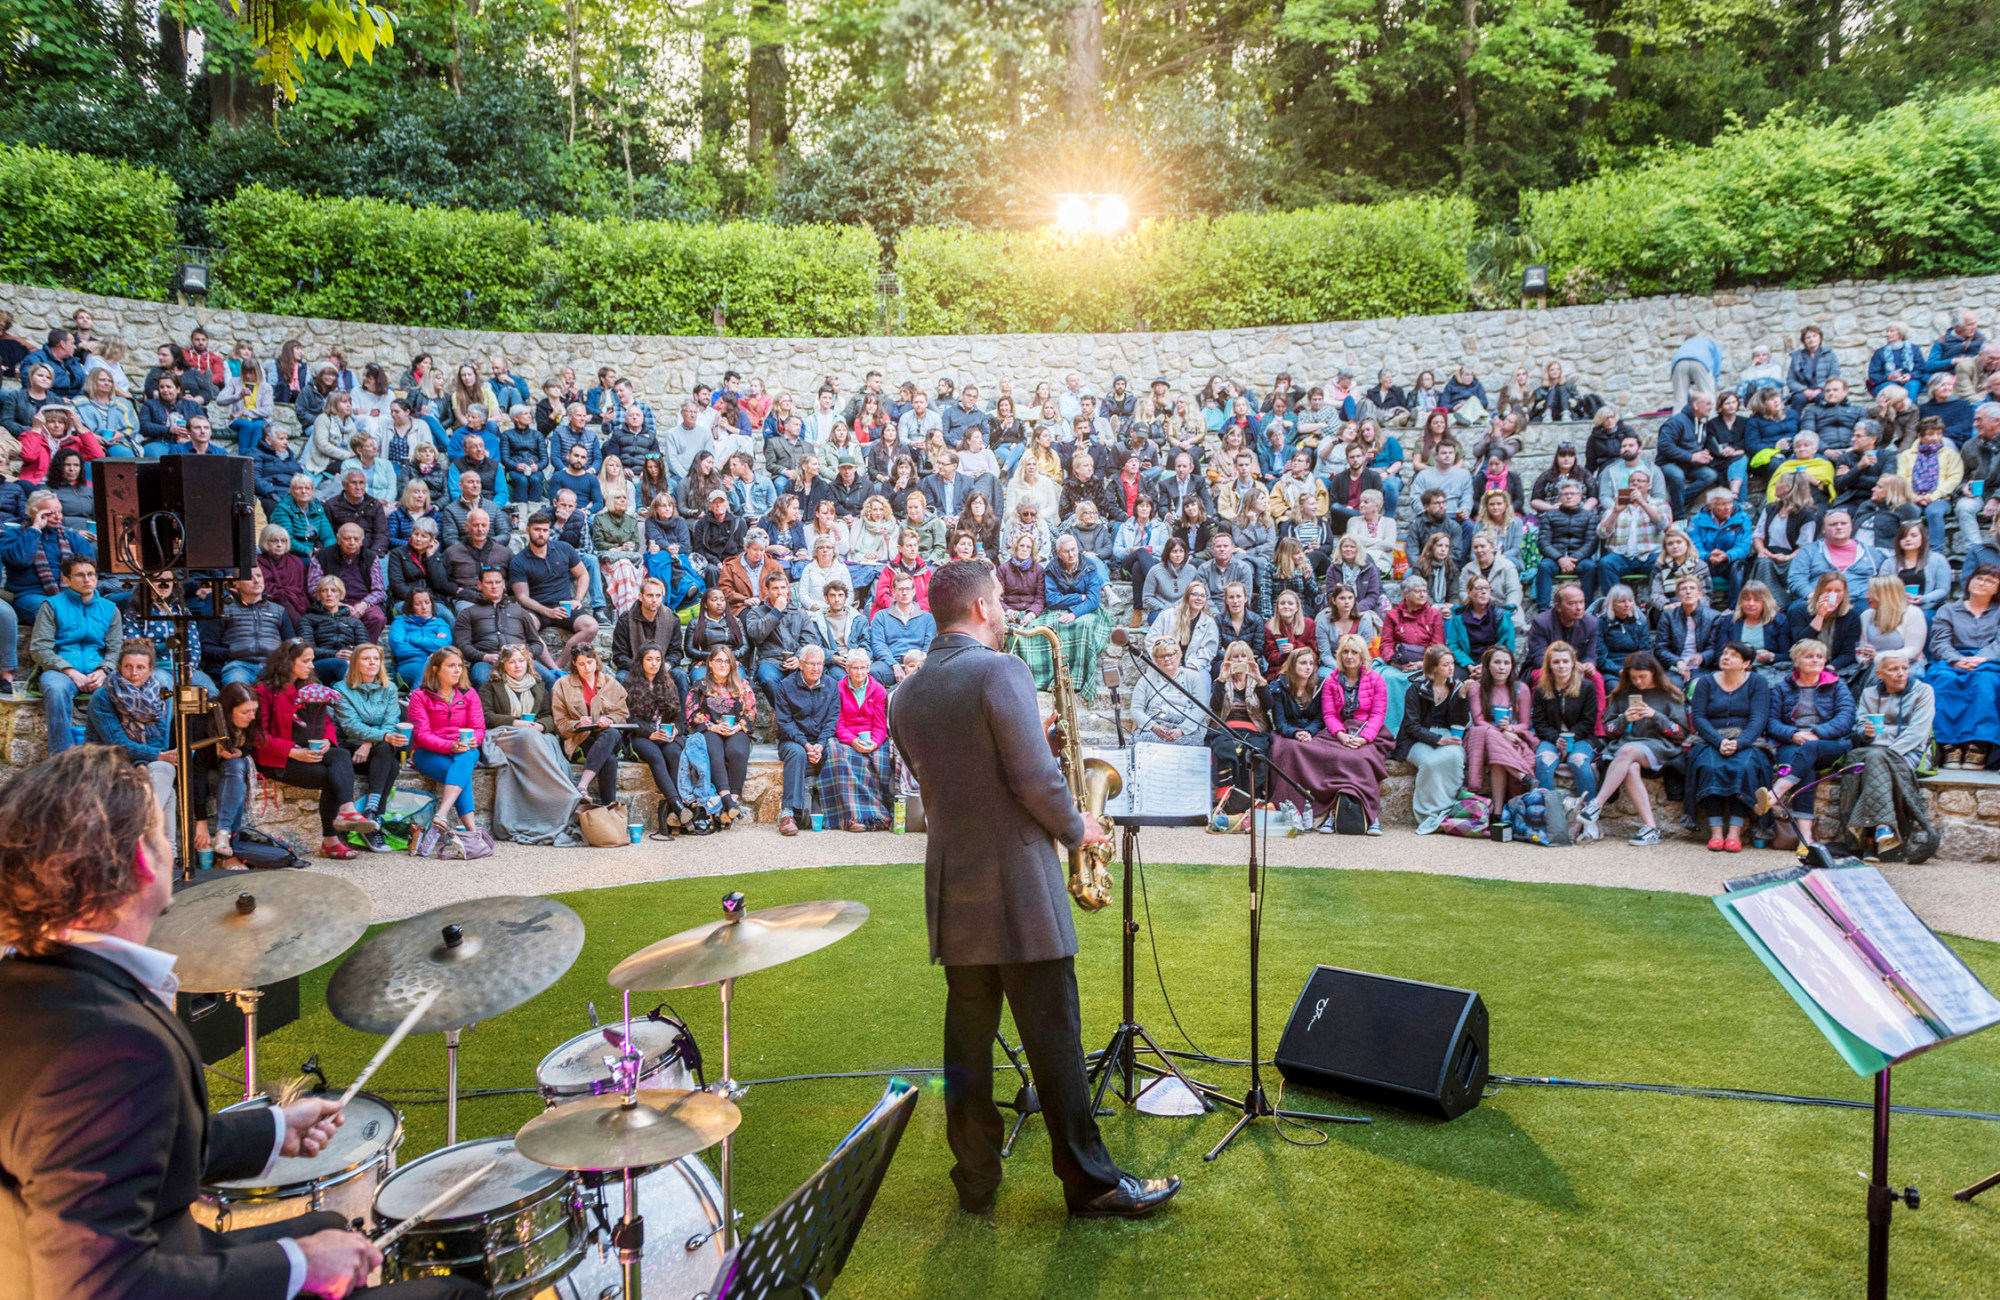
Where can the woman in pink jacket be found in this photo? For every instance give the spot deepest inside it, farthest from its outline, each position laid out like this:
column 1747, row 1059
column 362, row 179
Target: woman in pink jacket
column 447, row 725
column 1348, row 754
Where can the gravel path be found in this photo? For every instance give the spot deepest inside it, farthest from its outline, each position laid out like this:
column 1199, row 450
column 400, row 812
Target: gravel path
column 1957, row 898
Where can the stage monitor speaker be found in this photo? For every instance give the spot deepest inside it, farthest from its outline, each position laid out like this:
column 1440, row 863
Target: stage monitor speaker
column 217, row 1025
column 213, row 496
column 1417, row 1046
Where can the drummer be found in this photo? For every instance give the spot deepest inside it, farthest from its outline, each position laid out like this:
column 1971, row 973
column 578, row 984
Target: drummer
column 105, row 1132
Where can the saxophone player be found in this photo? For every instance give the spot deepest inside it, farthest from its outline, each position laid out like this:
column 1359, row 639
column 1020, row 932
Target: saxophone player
column 994, row 898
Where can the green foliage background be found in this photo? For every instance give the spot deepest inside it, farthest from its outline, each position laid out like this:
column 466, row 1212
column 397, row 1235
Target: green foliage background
column 80, row 222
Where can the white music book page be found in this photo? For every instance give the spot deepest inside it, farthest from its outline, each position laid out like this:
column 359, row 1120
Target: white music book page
column 1159, row 780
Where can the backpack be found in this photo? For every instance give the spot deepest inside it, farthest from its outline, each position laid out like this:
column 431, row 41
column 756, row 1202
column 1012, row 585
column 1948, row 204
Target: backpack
column 261, row 852
column 1539, row 817
column 1348, row 817
column 1468, row 816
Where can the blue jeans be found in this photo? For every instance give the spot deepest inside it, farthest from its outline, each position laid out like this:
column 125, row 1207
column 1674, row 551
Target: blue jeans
column 1582, row 766
column 1611, row 570
column 330, row 669
column 1392, row 492
column 1683, row 480
column 411, row 671
column 10, row 638
column 1935, row 515
column 449, row 769
column 158, row 449
column 58, row 704
column 248, row 434
column 240, row 670
column 1547, row 572
column 482, row 670
column 164, row 675
column 524, row 487
column 232, row 794
column 1803, row 759
column 596, row 572
column 769, row 673
column 1010, row 455
column 120, row 449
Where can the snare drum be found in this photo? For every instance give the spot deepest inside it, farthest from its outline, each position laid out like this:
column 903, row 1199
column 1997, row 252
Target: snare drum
column 680, row 1202
column 518, row 1231
column 342, row 1178
column 577, row 1068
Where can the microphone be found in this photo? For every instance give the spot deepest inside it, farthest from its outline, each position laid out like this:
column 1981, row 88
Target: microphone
column 1120, row 636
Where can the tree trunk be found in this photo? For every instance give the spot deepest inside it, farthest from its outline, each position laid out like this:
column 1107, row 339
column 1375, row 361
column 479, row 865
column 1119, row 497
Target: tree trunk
column 457, row 54
column 717, row 115
column 575, row 70
column 1085, row 24
column 770, row 81
column 172, row 54
column 1468, row 104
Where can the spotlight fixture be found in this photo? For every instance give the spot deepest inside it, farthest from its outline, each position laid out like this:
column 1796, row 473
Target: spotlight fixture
column 1535, row 282
column 192, row 279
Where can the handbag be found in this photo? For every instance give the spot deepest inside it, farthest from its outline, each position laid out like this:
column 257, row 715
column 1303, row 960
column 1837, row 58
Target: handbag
column 1468, row 817
column 603, row 825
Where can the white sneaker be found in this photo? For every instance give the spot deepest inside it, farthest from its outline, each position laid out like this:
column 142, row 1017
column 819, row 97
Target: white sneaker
column 1647, row 837
column 1326, row 827
column 1375, row 828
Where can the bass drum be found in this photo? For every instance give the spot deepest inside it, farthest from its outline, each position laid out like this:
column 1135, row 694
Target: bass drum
column 517, row 1232
column 342, row 1178
column 680, row 1202
column 577, row 1068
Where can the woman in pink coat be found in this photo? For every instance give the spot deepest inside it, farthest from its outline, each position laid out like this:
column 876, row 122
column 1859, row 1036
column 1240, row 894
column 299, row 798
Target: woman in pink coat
column 447, row 725
column 1344, row 754
column 1500, row 739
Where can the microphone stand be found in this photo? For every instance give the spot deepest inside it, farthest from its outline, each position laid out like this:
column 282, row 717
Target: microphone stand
column 1254, row 1104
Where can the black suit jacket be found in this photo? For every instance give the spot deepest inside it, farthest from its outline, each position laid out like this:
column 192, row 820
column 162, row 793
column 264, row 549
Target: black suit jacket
column 105, row 1138
column 995, row 890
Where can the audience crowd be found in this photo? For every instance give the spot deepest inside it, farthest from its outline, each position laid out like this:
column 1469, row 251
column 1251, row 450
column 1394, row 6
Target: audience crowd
column 1797, row 573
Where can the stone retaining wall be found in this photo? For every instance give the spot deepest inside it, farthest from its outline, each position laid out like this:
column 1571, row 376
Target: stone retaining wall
column 1618, row 349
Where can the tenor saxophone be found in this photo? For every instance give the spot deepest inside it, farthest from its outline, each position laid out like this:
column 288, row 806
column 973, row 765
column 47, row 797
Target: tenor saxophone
column 1091, row 781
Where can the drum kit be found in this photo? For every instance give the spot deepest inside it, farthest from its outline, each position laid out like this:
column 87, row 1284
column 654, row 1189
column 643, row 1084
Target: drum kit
column 558, row 1209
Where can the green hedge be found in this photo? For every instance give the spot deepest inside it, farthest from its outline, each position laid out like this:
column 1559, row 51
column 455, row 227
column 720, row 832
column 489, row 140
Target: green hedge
column 1907, row 193
column 364, row 259
column 78, row 222
column 1333, row 263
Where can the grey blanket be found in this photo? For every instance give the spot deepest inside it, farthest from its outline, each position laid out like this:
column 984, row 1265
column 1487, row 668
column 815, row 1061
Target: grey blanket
column 534, row 794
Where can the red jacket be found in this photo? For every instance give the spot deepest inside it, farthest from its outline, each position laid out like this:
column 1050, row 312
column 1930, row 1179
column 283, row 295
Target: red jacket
column 1400, row 627
column 36, row 452
column 1274, row 654
column 277, row 713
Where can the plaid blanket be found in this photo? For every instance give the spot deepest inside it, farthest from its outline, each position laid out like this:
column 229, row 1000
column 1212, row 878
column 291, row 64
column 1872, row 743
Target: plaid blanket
column 857, row 787
column 1082, row 642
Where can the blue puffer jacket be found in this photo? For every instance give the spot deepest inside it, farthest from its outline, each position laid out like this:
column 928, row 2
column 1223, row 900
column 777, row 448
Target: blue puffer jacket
column 1621, row 639
column 413, row 640
column 1836, row 721
column 102, row 727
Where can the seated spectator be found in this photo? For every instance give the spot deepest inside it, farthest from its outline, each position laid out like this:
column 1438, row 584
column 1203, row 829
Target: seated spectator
column 1812, row 365
column 418, row 632
column 806, row 711
column 1769, row 429
column 420, row 566
column 1465, row 397
column 1953, row 411
column 1498, row 746
column 1497, row 521
column 1643, row 731
column 1234, row 621
column 1567, row 620
column 1964, row 654
column 301, row 515
column 447, row 726
column 157, row 625
column 722, row 707
column 491, row 622
column 1832, row 417
column 65, row 360
column 1289, row 628
column 1684, row 631
column 363, row 575
column 66, row 478
column 74, row 645
column 1720, row 537
column 1934, row 472
column 273, row 469
column 163, row 418
column 369, row 714
column 101, row 409
column 1193, row 628
column 1959, row 343
column 1759, row 622
column 1631, row 531
column 714, row 626
column 1095, row 538
column 1020, row 576
column 353, row 505
column 1242, row 701
column 516, row 696
column 333, row 628
column 1895, row 410
column 871, row 542
column 1477, row 624
column 1565, row 713
column 1858, row 469
column 1432, row 738
column 1500, row 574
column 900, row 629
column 588, row 703
column 1898, row 363
column 1161, row 714
column 1828, row 616
column 1678, row 559
column 777, row 629
column 1923, row 573
column 252, row 626
column 932, row 534
column 1726, row 767
column 55, row 428
column 1557, row 398
column 235, row 717
column 134, row 713
column 550, row 581
column 1785, row 526
column 1882, row 808
column 1345, row 756
column 1812, row 721
column 655, row 703
column 1835, row 551
column 1727, row 438
column 1411, row 626
column 295, row 744
column 857, row 780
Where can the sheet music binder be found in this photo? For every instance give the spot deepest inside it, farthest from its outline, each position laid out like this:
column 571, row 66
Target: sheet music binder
column 1163, row 785
column 1871, row 976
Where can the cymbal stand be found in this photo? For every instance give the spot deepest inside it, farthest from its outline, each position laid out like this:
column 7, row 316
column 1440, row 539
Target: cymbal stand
column 451, row 1087
column 726, row 1088
column 628, row 1236
column 246, row 1001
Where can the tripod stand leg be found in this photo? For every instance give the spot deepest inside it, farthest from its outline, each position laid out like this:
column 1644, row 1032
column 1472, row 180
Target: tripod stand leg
column 1230, row 1136
column 1007, row 1147
column 1983, row 1185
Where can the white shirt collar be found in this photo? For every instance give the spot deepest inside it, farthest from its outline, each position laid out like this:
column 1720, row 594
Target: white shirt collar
column 150, row 966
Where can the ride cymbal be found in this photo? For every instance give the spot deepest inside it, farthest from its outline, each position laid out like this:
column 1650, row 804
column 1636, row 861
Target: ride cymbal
column 483, row 956
column 259, row 928
column 729, row 948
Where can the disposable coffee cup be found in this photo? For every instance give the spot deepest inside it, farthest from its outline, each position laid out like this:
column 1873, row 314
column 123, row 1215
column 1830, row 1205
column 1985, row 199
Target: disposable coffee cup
column 1877, row 720
column 205, row 858
column 465, row 735
column 819, row 821
column 1976, row 487
column 405, row 730
column 1503, row 713
column 317, row 746
column 1458, row 733
column 637, row 831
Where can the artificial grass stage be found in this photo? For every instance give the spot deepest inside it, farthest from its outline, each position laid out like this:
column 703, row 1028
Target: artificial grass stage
column 1538, row 1192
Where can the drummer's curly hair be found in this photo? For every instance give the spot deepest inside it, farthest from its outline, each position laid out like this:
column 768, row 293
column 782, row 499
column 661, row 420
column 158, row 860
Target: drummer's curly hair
column 69, row 837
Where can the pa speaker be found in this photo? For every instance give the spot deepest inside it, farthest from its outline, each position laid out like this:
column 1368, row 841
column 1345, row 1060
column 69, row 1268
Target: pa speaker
column 211, row 501
column 1421, row 1047
column 216, row 1024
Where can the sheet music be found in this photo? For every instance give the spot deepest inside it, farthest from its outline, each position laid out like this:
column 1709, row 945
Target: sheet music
column 1832, row 973
column 1159, row 780
column 1953, row 993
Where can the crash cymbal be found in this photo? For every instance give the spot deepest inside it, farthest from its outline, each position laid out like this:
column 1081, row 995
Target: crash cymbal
column 728, row 948
column 604, row 1133
column 260, row 927
column 483, row 956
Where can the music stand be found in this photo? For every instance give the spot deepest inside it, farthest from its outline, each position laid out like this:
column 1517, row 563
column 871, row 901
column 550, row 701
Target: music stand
column 1131, row 1037
column 799, row 1248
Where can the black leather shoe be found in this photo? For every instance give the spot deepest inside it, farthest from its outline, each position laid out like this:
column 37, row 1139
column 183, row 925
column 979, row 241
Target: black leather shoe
column 1133, row 1198
column 976, row 1204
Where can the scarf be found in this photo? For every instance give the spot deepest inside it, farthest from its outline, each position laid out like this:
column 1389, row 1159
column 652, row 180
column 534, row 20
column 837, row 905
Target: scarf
column 138, row 706
column 1924, row 473
column 45, row 573
column 520, row 693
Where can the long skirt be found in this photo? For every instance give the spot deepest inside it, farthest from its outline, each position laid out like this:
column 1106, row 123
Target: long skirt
column 1440, row 776
column 1326, row 769
column 1083, row 640
column 1487, row 746
column 1733, row 778
column 857, row 787
column 1968, row 703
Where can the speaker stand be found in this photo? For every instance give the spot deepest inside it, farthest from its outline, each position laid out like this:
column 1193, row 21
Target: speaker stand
column 1255, row 1105
column 1025, row 1101
column 1131, row 1037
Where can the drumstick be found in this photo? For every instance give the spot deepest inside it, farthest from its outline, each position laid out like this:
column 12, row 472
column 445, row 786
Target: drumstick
column 442, row 1199
column 382, row 1054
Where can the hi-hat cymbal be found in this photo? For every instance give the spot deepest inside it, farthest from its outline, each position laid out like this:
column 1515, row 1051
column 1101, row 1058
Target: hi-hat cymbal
column 604, row 1133
column 258, row 928
column 483, row 956
column 728, row 948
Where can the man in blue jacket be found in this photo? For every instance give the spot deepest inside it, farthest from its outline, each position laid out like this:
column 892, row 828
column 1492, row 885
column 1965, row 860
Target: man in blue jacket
column 35, row 554
column 60, row 355
column 1695, row 368
column 75, row 645
column 805, row 710
column 1963, row 339
column 896, row 630
column 1722, row 537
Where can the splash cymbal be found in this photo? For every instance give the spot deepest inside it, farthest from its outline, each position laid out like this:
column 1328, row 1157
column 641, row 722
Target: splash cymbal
column 483, row 956
column 729, row 948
